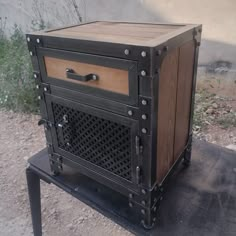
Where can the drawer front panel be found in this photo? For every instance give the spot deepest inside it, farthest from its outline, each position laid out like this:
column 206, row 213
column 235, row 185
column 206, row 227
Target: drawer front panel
column 111, row 79
column 94, row 138
column 106, row 77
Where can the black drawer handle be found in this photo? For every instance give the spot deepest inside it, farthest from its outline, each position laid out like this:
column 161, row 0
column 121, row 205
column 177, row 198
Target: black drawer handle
column 72, row 75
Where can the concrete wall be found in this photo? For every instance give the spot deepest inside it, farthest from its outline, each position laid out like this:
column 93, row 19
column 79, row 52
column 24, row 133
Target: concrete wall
column 218, row 18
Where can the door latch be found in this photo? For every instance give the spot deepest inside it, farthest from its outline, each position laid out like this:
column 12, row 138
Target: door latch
column 65, row 131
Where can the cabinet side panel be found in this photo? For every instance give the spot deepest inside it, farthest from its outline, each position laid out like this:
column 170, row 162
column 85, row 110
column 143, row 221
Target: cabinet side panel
column 184, row 91
column 166, row 113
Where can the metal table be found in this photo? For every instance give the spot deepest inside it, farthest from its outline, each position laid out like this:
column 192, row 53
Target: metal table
column 199, row 200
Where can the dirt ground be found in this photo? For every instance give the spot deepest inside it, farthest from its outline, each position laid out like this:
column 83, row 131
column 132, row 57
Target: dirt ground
column 215, row 108
column 20, row 138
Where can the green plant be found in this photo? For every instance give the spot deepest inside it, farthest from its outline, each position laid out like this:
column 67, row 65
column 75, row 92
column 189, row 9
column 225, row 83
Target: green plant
column 16, row 81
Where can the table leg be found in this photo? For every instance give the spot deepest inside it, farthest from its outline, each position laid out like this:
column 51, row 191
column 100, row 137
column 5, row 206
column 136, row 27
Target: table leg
column 33, row 182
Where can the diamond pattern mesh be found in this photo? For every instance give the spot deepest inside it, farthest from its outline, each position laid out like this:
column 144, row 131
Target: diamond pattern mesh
column 102, row 142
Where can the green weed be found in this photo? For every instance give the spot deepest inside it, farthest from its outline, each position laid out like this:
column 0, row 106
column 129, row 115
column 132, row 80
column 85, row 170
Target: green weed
column 17, row 86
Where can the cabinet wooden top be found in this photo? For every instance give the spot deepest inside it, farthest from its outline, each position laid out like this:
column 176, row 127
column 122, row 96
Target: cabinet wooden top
column 140, row 34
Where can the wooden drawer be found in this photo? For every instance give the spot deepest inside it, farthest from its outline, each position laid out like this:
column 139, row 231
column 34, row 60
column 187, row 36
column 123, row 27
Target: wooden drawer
column 107, row 77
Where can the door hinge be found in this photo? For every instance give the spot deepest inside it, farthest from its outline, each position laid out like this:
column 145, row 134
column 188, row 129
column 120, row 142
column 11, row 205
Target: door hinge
column 138, row 146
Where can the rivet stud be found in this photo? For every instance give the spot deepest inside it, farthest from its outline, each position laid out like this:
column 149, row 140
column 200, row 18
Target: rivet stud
column 144, row 191
column 144, row 116
column 144, row 102
column 126, row 51
column 143, row 73
column 143, row 211
column 130, row 113
column 144, row 131
column 143, row 54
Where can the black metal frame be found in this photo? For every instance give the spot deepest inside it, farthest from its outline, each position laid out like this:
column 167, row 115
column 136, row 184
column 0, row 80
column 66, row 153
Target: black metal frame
column 103, row 103
column 146, row 195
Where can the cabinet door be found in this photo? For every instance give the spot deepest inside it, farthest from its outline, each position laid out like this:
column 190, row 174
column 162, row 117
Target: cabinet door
column 100, row 141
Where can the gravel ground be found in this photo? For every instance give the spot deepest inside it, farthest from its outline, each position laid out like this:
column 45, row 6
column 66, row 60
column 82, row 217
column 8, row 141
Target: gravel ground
column 20, row 138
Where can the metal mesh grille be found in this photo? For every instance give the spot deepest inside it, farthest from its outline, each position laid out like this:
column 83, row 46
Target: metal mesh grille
column 102, row 142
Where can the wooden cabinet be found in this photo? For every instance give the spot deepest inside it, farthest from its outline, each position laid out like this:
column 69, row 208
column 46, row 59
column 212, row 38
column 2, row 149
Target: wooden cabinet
column 116, row 100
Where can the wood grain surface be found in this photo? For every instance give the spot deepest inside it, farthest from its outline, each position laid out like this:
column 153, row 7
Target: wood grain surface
column 184, row 93
column 110, row 79
column 116, row 32
column 166, row 113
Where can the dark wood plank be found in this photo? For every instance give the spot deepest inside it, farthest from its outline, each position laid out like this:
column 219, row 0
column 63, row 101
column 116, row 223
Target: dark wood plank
column 166, row 113
column 185, row 78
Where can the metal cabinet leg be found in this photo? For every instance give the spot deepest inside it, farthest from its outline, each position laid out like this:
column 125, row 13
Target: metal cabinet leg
column 33, row 182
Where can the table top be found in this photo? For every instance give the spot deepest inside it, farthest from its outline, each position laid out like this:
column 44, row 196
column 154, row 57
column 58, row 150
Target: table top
column 199, row 200
column 131, row 33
